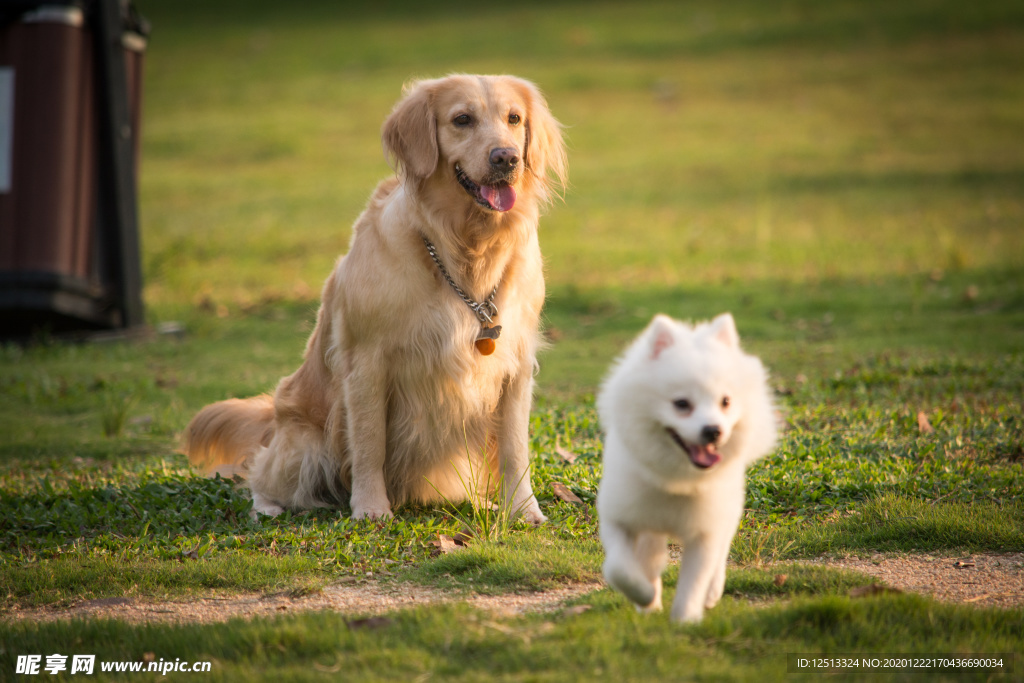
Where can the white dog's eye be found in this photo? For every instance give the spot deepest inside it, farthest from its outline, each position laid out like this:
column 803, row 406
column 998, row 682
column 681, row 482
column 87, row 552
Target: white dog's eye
column 462, row 120
column 725, row 401
column 514, row 119
column 682, row 405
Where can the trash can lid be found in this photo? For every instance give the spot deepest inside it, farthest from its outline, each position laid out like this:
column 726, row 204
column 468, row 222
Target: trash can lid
column 55, row 14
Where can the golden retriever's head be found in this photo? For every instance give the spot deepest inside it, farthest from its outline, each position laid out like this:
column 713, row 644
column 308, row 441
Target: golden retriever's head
column 485, row 140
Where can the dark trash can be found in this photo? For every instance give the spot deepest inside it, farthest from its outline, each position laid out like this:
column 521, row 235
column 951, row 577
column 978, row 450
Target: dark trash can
column 70, row 104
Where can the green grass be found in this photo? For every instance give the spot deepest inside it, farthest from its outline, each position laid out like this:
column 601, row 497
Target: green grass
column 846, row 178
column 608, row 641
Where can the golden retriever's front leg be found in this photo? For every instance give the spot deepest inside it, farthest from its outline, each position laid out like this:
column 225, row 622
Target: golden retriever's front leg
column 514, row 447
column 366, row 411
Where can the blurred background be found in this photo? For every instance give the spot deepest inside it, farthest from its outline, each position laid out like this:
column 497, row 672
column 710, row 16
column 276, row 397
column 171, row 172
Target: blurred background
column 845, row 177
column 854, row 166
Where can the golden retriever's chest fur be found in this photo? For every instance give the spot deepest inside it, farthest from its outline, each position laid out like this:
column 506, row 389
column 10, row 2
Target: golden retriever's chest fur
column 439, row 409
column 442, row 394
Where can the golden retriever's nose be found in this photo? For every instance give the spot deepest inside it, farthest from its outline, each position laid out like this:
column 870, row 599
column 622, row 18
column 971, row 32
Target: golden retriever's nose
column 504, row 158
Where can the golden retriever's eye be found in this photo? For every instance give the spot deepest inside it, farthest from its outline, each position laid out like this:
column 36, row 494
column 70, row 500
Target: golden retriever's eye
column 462, row 120
column 513, row 119
column 725, row 401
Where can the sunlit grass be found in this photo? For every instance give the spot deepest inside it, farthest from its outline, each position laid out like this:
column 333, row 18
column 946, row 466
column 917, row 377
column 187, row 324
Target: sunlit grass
column 846, row 178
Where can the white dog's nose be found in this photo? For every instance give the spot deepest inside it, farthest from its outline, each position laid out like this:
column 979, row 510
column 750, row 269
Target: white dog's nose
column 711, row 433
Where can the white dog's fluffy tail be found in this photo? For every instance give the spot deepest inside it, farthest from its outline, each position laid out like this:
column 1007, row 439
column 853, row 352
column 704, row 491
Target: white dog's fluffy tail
column 223, row 436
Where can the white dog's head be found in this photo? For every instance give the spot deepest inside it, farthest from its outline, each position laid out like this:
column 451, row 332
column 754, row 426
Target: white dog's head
column 684, row 399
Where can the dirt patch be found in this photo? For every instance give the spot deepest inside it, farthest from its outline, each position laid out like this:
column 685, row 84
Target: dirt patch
column 360, row 598
column 983, row 579
column 994, row 580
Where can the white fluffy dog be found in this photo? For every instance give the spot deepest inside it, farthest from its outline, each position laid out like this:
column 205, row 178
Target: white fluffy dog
column 685, row 411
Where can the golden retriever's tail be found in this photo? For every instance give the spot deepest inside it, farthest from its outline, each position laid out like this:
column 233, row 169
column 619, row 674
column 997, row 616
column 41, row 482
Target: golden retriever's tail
column 223, row 436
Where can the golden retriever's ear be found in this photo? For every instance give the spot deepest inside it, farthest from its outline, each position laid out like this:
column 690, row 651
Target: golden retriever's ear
column 545, row 149
column 409, row 135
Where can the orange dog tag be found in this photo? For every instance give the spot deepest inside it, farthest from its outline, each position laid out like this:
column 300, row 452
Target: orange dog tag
column 485, row 346
column 486, row 342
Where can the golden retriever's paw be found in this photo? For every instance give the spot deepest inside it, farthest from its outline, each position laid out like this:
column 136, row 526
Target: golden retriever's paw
column 372, row 512
column 263, row 506
column 532, row 513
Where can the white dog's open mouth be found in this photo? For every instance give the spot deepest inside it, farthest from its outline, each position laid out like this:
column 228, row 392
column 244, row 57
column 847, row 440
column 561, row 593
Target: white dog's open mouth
column 498, row 197
column 701, row 455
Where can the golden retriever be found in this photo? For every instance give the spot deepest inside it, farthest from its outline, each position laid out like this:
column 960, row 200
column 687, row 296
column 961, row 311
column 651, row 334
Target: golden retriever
column 407, row 384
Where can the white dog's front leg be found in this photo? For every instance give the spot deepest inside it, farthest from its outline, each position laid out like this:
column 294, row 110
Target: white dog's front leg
column 366, row 415
column 652, row 553
column 623, row 570
column 717, row 585
column 696, row 569
column 514, row 447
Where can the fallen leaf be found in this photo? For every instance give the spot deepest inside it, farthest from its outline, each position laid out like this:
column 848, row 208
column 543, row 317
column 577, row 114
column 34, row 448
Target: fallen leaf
column 370, row 623
column 462, row 538
column 873, row 589
column 562, row 492
column 568, row 456
column 445, row 544
column 780, row 579
column 923, row 425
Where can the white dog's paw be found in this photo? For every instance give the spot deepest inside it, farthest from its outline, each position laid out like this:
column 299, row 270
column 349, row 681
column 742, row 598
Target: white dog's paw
column 715, row 591
column 263, row 506
column 655, row 606
column 634, row 585
column 687, row 615
column 714, row 596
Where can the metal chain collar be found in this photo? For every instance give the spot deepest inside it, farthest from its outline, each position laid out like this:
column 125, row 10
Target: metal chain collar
column 485, row 310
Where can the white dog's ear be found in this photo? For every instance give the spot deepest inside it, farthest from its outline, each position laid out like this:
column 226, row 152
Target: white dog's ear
column 723, row 328
column 545, row 149
column 660, row 334
column 409, row 134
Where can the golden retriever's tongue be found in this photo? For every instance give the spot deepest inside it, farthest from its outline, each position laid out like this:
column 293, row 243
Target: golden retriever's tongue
column 500, row 198
column 702, row 456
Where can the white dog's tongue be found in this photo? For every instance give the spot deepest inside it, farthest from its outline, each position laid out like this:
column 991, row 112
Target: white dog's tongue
column 702, row 456
column 500, row 198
